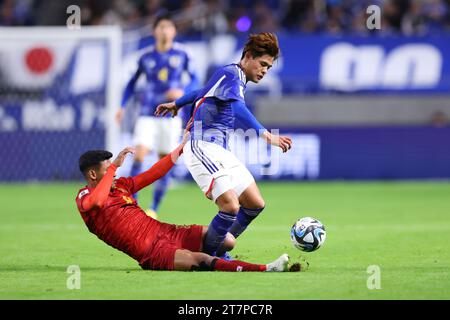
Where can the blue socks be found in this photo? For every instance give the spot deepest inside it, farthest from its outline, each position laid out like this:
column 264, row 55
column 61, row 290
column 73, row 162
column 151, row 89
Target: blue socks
column 159, row 190
column 243, row 219
column 135, row 170
column 217, row 231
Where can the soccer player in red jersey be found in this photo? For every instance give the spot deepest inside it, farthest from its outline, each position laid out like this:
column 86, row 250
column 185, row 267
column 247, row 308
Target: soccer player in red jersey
column 112, row 214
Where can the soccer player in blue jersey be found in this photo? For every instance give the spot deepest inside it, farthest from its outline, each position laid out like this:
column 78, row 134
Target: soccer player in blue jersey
column 163, row 66
column 220, row 107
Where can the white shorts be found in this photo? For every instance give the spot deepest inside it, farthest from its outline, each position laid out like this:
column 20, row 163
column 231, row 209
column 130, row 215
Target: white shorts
column 161, row 135
column 215, row 169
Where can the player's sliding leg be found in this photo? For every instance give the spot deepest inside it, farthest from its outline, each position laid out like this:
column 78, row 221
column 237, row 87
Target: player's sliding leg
column 227, row 245
column 228, row 204
column 229, row 242
column 186, row 260
column 159, row 189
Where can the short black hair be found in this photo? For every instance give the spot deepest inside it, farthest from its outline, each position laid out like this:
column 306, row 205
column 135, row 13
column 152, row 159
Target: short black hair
column 92, row 158
column 163, row 15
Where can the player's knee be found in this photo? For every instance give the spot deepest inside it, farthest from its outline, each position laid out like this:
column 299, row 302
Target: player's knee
column 232, row 208
column 252, row 201
column 229, row 206
column 257, row 204
column 229, row 243
column 228, row 202
column 260, row 204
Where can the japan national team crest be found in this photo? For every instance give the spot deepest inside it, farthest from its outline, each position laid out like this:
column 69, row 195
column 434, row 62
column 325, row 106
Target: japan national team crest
column 174, row 61
column 151, row 64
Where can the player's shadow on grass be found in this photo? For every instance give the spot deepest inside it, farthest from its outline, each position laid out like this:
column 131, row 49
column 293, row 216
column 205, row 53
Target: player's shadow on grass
column 59, row 268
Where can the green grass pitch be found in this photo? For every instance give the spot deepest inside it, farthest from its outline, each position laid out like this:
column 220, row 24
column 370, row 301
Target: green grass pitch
column 401, row 227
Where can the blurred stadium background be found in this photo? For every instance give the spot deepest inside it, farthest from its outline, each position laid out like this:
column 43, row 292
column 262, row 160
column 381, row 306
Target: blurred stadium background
column 359, row 104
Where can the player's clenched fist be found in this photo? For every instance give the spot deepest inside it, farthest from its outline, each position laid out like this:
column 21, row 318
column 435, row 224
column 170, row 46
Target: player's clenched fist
column 118, row 161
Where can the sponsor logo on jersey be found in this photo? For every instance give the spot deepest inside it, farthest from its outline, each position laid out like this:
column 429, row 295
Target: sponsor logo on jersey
column 174, row 61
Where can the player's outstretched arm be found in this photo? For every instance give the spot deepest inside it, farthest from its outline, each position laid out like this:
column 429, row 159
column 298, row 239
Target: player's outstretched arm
column 246, row 120
column 98, row 197
column 159, row 169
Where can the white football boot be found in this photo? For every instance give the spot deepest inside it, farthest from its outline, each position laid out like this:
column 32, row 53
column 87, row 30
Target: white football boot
column 279, row 265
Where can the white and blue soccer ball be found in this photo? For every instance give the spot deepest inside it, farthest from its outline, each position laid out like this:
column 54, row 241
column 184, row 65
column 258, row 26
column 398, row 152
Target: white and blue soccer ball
column 308, row 234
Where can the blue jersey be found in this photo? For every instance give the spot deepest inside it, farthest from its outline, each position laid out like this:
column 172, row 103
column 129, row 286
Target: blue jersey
column 163, row 71
column 220, row 107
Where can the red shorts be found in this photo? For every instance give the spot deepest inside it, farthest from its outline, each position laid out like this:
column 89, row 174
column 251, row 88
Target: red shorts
column 169, row 239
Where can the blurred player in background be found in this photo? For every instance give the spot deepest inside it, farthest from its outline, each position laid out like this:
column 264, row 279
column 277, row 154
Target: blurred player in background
column 219, row 108
column 109, row 211
column 163, row 65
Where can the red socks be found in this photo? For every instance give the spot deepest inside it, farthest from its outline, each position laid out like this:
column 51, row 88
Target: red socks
column 236, row 265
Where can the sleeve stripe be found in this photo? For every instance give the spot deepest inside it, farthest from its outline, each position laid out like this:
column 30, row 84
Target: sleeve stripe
column 210, row 93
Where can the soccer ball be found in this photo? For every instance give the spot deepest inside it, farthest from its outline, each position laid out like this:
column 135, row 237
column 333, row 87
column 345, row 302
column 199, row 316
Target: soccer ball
column 308, row 234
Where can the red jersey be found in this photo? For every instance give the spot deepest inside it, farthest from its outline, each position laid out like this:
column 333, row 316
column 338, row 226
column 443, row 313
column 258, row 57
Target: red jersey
column 112, row 214
column 121, row 223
